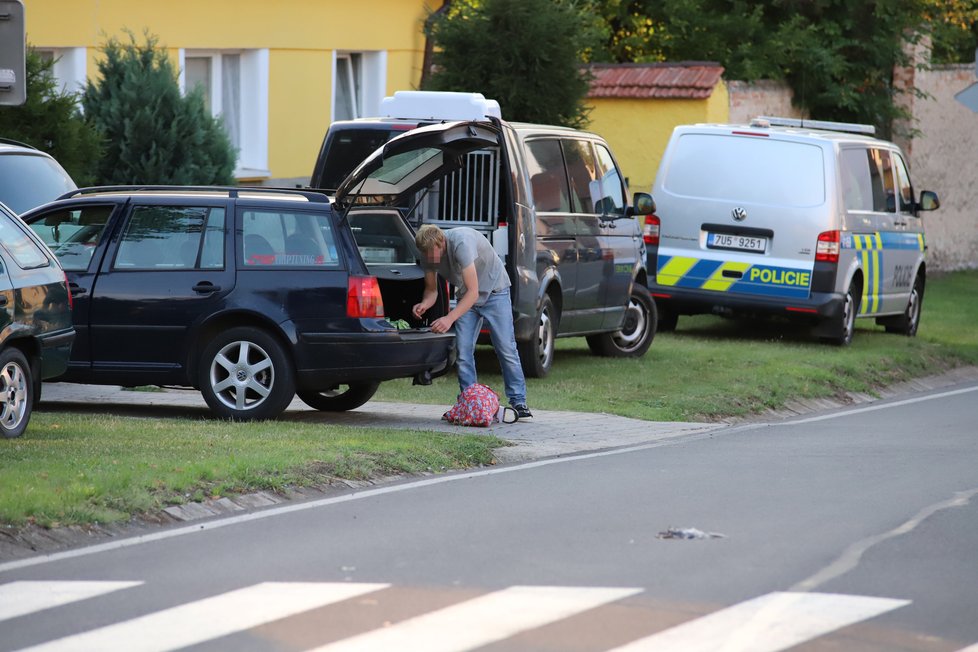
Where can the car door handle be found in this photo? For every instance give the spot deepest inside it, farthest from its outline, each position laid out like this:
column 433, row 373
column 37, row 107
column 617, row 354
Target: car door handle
column 206, row 287
column 77, row 290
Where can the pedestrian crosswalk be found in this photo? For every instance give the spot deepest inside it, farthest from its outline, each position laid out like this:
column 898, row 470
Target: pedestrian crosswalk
column 771, row 622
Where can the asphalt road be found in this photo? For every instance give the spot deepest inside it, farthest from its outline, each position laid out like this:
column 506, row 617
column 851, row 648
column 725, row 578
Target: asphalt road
column 852, row 529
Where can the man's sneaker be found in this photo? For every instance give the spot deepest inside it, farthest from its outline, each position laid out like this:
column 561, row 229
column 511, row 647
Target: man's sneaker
column 522, row 412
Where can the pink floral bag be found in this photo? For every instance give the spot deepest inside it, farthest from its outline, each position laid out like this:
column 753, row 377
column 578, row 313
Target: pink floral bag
column 477, row 405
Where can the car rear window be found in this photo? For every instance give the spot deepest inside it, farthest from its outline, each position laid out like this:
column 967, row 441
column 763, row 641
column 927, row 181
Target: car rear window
column 20, row 246
column 29, row 180
column 347, row 149
column 747, row 169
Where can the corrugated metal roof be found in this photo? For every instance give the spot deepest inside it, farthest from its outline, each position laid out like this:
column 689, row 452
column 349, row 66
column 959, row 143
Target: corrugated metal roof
column 687, row 80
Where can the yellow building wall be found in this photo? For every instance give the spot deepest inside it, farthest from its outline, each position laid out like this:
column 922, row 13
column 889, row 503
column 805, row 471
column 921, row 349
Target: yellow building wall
column 638, row 130
column 300, row 35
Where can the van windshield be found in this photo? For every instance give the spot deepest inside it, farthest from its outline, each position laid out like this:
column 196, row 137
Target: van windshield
column 347, row 149
column 747, row 169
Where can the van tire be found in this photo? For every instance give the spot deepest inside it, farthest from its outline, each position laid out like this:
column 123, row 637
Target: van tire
column 909, row 321
column 341, row 398
column 845, row 325
column 265, row 364
column 637, row 331
column 537, row 353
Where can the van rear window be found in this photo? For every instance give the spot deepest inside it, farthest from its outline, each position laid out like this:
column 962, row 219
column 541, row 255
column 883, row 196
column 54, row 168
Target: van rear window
column 747, row 169
column 347, row 149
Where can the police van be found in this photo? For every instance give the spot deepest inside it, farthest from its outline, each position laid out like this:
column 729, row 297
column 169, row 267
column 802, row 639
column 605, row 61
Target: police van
column 807, row 219
column 551, row 200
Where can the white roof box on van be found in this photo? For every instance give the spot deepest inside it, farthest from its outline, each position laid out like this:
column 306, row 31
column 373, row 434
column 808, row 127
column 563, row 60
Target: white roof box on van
column 439, row 105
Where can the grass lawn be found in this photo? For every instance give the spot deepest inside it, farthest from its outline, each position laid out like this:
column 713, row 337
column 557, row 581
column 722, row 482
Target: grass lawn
column 70, row 468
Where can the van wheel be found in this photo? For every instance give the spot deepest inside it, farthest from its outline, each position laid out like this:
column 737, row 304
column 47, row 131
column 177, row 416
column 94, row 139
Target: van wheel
column 16, row 393
column 846, row 323
column 636, row 333
column 340, row 398
column 537, row 354
column 667, row 320
column 907, row 323
column 245, row 374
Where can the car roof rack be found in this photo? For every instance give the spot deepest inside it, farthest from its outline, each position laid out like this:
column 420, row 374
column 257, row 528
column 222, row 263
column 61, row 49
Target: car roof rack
column 801, row 123
column 233, row 192
column 439, row 105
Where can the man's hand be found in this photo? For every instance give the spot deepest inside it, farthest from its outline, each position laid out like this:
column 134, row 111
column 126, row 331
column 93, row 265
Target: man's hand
column 419, row 309
column 442, row 324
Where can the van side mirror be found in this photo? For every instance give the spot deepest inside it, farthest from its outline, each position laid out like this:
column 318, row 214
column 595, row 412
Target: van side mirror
column 642, row 204
column 929, row 201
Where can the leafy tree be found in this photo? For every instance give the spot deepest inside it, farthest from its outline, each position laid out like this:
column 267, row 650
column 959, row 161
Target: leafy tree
column 153, row 135
column 838, row 56
column 50, row 121
column 527, row 54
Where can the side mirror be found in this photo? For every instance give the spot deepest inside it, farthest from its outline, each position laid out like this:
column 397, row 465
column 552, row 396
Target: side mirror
column 643, row 204
column 929, row 201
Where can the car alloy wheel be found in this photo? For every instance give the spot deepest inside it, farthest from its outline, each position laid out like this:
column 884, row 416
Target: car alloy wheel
column 16, row 389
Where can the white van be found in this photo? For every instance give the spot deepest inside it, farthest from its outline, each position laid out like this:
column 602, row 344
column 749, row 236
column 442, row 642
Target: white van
column 805, row 219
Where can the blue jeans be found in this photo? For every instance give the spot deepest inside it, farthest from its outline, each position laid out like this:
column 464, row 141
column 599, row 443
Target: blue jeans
column 497, row 311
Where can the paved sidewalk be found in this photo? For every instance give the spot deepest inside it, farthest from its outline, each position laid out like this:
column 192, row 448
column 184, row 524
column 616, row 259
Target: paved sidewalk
column 549, row 433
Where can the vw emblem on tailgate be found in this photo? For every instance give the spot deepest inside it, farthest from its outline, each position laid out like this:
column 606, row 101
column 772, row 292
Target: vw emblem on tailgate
column 739, row 214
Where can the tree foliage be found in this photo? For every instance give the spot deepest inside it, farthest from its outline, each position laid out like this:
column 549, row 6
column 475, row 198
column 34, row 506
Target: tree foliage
column 50, row 121
column 153, row 135
column 527, row 54
column 838, row 56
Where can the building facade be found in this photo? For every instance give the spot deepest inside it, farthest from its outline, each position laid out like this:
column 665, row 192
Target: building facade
column 278, row 73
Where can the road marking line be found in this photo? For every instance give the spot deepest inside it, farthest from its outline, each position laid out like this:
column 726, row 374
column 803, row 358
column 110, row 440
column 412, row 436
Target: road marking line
column 769, row 623
column 970, row 648
column 203, row 620
column 427, row 482
column 22, row 598
column 883, row 406
column 482, row 620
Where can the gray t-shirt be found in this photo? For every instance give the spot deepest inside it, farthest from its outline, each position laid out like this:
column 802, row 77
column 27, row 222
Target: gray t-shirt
column 463, row 247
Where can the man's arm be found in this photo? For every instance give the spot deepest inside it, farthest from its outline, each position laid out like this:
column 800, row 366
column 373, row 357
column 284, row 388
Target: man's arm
column 470, row 278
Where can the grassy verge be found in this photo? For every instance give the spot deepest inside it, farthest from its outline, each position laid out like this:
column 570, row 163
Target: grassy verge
column 713, row 367
column 70, row 468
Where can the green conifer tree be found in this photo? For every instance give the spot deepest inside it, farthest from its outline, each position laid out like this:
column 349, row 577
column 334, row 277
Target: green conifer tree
column 51, row 122
column 153, row 134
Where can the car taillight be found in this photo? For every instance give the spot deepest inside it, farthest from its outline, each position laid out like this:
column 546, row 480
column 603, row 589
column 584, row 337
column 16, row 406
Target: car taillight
column 363, row 297
column 651, row 232
column 827, row 248
column 71, row 299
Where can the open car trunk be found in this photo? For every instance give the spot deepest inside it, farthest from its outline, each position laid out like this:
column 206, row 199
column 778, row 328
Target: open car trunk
column 386, row 244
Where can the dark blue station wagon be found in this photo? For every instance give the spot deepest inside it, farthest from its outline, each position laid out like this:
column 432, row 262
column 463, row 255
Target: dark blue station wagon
column 249, row 295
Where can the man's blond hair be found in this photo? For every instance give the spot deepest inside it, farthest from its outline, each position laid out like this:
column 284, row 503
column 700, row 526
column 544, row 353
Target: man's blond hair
column 428, row 237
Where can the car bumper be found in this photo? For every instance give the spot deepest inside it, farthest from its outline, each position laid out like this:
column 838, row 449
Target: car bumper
column 326, row 359
column 55, row 352
column 818, row 305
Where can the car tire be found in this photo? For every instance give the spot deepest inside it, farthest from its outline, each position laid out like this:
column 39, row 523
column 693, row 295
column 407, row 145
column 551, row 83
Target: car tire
column 537, row 353
column 246, row 374
column 341, row 398
column 909, row 321
column 637, row 331
column 845, row 325
column 16, row 393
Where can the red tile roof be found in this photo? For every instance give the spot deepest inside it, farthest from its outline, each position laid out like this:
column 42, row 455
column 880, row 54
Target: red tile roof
column 688, row 80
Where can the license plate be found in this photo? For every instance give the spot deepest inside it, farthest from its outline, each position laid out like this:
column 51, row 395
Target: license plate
column 740, row 242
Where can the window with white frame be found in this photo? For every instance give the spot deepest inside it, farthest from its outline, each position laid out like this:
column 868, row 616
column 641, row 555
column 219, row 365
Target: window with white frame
column 234, row 84
column 359, row 84
column 69, row 67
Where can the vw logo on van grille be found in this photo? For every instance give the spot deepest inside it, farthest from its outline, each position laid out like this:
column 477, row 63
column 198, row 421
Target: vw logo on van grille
column 739, row 214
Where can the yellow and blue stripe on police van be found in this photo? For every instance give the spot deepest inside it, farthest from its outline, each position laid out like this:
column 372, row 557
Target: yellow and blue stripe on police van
column 733, row 276
column 869, row 248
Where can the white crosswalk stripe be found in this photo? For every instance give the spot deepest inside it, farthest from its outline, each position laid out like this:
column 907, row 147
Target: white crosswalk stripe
column 22, row 598
column 481, row 621
column 206, row 619
column 772, row 622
